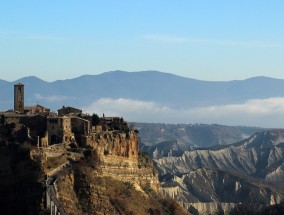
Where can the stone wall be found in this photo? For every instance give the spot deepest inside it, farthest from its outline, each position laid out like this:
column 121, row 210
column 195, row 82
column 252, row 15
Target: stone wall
column 80, row 125
column 59, row 130
column 44, row 140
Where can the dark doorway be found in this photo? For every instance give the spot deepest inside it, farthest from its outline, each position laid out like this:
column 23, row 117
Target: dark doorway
column 53, row 139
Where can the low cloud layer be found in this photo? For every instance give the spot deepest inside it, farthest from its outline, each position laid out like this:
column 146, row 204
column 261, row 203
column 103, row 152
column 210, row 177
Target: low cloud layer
column 257, row 112
column 51, row 98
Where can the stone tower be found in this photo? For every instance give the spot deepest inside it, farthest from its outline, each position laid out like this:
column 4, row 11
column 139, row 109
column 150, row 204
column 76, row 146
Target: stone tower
column 19, row 98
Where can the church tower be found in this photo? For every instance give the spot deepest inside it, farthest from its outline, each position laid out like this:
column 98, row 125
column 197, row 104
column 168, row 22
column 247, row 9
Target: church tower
column 19, row 105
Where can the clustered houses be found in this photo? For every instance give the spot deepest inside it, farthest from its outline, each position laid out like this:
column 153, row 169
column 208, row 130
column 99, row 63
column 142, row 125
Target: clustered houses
column 43, row 127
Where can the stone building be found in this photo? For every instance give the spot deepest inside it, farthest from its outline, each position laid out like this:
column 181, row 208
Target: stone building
column 37, row 109
column 13, row 119
column 36, row 123
column 20, row 125
column 59, row 130
column 69, row 111
column 19, row 104
column 116, row 123
column 80, row 125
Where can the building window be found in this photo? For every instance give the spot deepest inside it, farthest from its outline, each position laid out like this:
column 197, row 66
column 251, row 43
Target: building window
column 54, row 121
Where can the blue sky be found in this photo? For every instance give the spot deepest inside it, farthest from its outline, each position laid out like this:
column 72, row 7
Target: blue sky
column 207, row 40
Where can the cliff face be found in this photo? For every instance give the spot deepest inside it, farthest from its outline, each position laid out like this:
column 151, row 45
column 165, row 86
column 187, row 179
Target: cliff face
column 114, row 178
column 21, row 181
column 81, row 191
column 120, row 158
column 85, row 191
column 107, row 176
column 115, row 144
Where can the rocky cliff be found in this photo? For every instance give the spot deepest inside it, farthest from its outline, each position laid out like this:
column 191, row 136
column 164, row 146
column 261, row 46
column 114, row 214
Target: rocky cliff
column 113, row 178
column 106, row 176
column 85, row 191
column 119, row 157
column 22, row 180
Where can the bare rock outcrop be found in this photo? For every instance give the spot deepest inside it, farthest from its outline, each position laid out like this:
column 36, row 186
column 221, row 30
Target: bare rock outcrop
column 120, row 158
column 249, row 172
column 114, row 178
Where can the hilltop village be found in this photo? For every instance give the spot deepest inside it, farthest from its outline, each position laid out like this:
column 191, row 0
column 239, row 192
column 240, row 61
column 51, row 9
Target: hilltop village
column 44, row 128
column 70, row 162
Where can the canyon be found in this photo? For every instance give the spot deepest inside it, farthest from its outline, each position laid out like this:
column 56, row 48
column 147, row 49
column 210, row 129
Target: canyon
column 249, row 172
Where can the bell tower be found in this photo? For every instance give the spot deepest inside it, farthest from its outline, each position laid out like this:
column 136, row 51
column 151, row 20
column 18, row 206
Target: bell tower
column 19, row 105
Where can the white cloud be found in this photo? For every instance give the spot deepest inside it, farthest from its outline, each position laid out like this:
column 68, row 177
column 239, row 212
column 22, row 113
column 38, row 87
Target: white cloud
column 124, row 107
column 51, row 98
column 257, row 112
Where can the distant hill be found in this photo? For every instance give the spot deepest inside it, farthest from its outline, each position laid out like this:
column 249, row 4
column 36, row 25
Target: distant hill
column 160, row 140
column 162, row 88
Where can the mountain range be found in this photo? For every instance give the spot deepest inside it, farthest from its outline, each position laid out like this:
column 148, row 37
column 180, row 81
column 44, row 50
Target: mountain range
column 162, row 88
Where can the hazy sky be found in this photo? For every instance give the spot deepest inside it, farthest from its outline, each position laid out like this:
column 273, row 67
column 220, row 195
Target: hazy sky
column 207, row 40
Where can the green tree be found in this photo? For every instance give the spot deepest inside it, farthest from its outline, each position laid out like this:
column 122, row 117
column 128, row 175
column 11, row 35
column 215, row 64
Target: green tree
column 95, row 119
